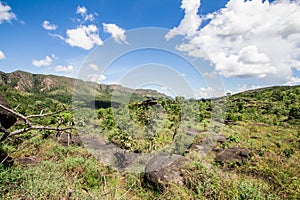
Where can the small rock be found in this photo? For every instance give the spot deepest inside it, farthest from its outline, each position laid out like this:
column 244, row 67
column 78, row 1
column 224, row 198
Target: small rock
column 220, row 138
column 163, row 169
column 232, row 156
column 28, row 160
column 193, row 132
column 227, row 121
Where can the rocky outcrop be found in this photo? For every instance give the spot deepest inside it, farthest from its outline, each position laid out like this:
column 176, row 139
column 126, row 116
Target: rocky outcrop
column 232, row 156
column 47, row 83
column 28, row 161
column 7, row 119
column 66, row 139
column 21, row 80
column 164, row 169
column 220, row 138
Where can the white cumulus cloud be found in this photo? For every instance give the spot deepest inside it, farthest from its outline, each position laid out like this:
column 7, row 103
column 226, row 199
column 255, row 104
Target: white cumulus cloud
column 93, row 66
column 48, row 26
column 247, row 38
column 86, row 16
column 43, row 62
column 85, row 37
column 81, row 10
column 191, row 21
column 2, row 55
column 206, row 93
column 96, row 78
column 67, row 69
column 5, row 13
column 116, row 32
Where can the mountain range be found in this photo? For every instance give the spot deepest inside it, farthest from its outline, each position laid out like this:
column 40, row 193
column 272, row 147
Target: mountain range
column 64, row 89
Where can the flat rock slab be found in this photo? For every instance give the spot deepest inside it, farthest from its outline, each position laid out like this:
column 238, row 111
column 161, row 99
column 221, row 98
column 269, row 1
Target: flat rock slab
column 232, row 156
column 211, row 142
column 28, row 160
column 164, row 169
column 112, row 155
column 194, row 132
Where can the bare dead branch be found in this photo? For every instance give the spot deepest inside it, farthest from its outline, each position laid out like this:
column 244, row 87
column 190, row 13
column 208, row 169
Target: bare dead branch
column 127, row 191
column 17, row 107
column 5, row 135
column 28, row 123
column 4, row 160
column 47, row 114
column 50, row 128
column 25, row 118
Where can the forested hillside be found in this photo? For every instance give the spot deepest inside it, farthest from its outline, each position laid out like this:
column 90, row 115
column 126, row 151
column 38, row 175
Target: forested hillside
column 62, row 88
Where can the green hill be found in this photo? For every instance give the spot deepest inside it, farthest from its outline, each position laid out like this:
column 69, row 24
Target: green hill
column 273, row 105
column 25, row 88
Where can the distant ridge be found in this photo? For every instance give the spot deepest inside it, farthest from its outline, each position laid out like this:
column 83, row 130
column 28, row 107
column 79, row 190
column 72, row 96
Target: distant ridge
column 62, row 88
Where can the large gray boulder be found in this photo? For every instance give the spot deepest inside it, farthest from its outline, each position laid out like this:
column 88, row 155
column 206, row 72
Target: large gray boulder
column 165, row 169
column 7, row 119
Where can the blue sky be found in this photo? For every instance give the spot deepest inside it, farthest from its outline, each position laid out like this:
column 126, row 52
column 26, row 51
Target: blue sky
column 235, row 44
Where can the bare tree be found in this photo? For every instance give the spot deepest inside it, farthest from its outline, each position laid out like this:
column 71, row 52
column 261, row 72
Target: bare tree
column 28, row 124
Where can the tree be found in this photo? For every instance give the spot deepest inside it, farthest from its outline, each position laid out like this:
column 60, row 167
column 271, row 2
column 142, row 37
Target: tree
column 28, row 124
column 294, row 112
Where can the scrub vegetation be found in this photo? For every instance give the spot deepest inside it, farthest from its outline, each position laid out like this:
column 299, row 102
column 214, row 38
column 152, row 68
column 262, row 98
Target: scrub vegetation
column 264, row 123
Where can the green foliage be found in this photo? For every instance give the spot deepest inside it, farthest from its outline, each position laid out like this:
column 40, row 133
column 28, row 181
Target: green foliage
column 266, row 122
column 202, row 181
column 288, row 152
column 274, row 105
column 182, row 143
column 233, row 138
column 294, row 112
column 121, row 139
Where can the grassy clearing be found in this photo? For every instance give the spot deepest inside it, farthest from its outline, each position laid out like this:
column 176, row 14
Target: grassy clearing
column 64, row 169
